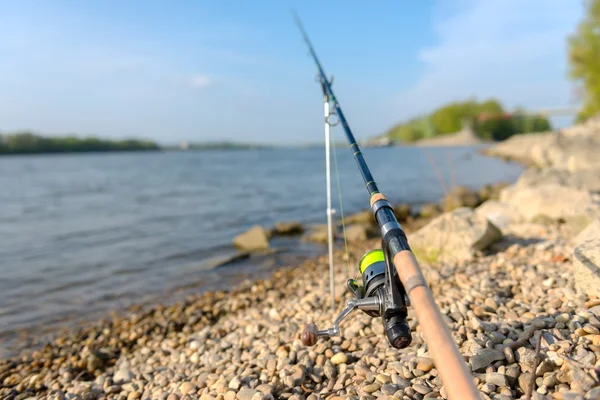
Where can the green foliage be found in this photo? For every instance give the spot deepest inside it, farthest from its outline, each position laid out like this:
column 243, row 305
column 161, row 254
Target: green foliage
column 584, row 58
column 28, row 143
column 488, row 119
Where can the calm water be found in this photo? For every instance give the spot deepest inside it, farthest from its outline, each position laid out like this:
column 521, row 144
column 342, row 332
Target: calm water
column 85, row 233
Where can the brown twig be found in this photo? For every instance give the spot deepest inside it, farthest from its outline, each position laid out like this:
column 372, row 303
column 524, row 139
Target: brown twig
column 572, row 346
column 523, row 340
column 577, row 363
column 538, row 338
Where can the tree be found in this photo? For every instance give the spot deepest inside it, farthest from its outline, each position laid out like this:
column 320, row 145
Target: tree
column 584, row 58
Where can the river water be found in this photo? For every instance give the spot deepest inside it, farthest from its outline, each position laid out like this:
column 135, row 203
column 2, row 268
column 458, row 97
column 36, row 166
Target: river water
column 86, row 233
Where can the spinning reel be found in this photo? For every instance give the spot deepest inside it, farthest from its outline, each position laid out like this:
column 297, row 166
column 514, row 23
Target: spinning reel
column 380, row 295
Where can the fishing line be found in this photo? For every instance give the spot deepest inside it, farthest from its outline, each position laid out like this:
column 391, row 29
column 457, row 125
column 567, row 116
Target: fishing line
column 339, row 190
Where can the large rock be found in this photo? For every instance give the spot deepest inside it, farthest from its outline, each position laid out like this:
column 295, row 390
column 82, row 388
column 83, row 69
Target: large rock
column 256, row 238
column 499, row 213
column 221, row 260
column 429, row 210
column 361, row 217
column 358, row 232
column 550, row 200
column 587, row 267
column 590, row 232
column 583, row 180
column 522, row 147
column 288, row 228
column 318, row 234
column 454, row 236
column 402, row 212
column 491, row 192
column 461, row 196
column 573, row 149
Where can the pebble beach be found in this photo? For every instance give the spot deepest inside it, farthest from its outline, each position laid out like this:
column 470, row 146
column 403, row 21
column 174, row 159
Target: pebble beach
column 515, row 309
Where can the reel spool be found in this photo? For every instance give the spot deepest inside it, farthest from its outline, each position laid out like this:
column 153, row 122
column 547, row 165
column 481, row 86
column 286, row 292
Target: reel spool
column 380, row 295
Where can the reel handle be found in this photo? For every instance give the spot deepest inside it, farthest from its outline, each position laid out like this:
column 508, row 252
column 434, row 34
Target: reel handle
column 311, row 334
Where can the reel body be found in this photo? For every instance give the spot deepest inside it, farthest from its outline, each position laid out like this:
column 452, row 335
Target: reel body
column 380, row 295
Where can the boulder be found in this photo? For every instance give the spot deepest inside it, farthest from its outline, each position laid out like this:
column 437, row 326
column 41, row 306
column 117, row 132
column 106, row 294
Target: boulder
column 587, row 267
column 460, row 196
column 499, row 213
column 454, row 236
column 288, row 228
column 402, row 211
column 358, row 232
column 573, row 149
column 491, row 192
column 550, row 200
column 429, row 210
column 318, row 234
column 256, row 238
column 583, row 180
column 362, row 217
column 590, row 232
column 219, row 261
column 523, row 148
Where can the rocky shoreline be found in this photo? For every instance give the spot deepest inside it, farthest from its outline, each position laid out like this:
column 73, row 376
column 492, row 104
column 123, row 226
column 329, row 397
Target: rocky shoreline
column 514, row 277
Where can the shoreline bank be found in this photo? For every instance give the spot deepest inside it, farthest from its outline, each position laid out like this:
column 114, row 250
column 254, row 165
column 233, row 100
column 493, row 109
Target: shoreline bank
column 361, row 227
column 244, row 343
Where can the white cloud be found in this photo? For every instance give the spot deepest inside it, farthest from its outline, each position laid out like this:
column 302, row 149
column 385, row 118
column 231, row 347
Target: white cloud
column 513, row 50
column 200, row 81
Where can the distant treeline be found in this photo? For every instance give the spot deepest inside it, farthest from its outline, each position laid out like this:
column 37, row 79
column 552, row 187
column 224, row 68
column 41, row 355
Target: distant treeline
column 487, row 119
column 29, row 143
column 225, row 146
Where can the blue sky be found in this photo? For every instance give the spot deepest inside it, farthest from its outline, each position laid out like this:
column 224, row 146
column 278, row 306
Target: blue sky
column 238, row 70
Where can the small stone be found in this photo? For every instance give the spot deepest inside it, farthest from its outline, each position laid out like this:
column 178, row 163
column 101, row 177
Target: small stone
column 361, row 371
column 421, row 388
column 485, row 357
column 134, row 396
column 373, row 387
column 235, row 383
column 230, row 395
column 550, row 381
column 400, row 381
column 591, row 329
column 491, row 303
column 123, row 375
column 526, row 357
column 246, row 394
column 593, row 394
column 425, row 364
column 389, row 389
column 592, row 303
column 265, row 388
column 187, row 387
column 525, row 382
column 564, row 318
column 329, row 370
column 172, row 396
column 112, row 389
column 496, row 379
column 383, row 378
column 544, row 367
column 572, row 396
column 339, row 358
column 488, row 388
column 509, row 354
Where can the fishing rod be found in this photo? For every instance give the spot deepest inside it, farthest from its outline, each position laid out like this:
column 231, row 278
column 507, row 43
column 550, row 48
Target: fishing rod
column 391, row 277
